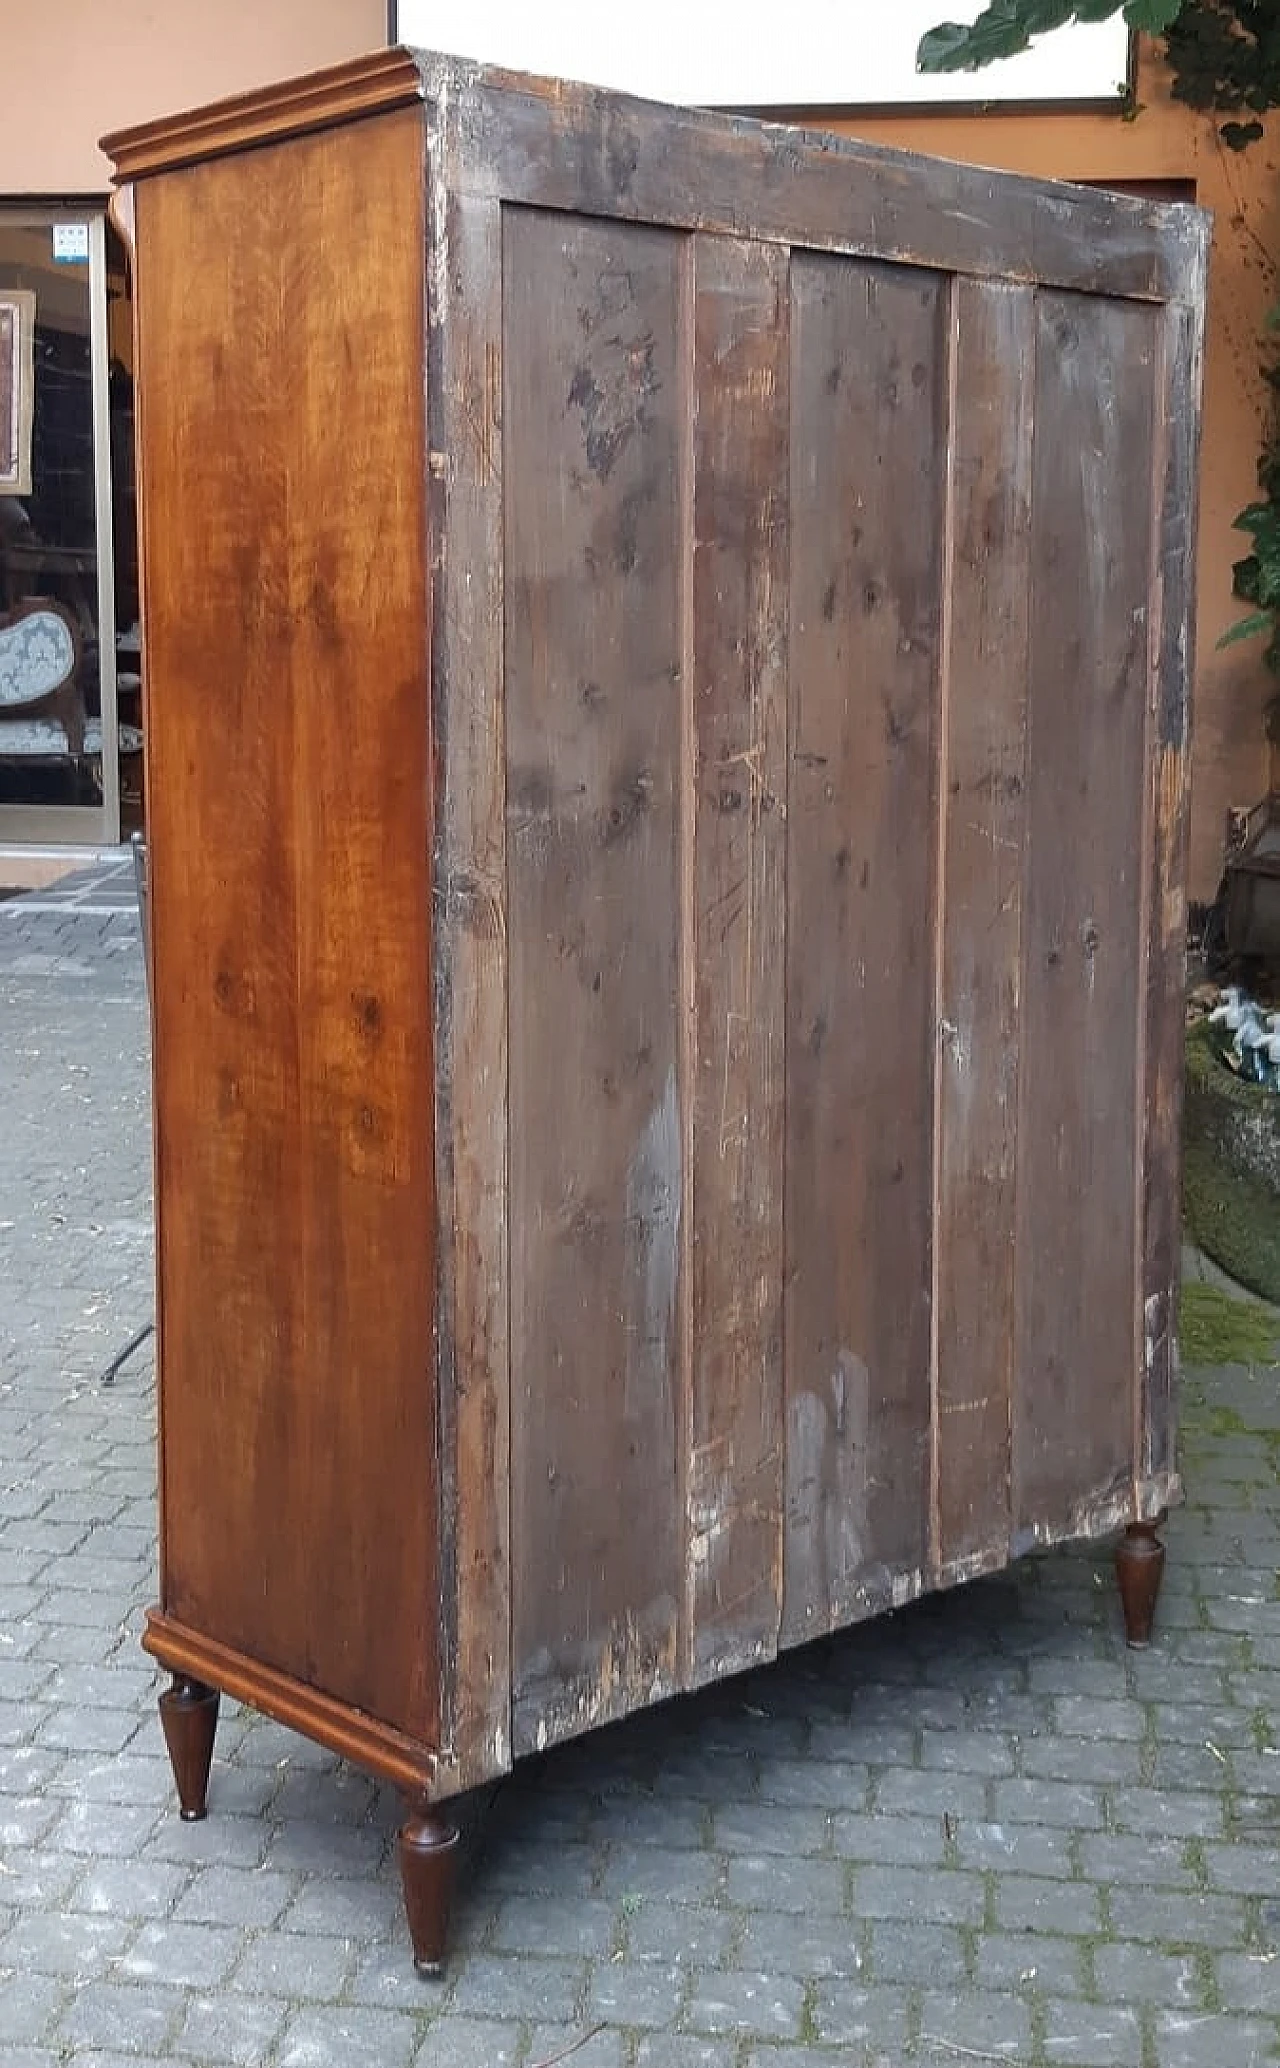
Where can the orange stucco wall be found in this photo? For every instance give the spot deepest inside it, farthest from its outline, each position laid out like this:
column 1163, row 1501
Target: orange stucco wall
column 84, row 67
column 1169, row 142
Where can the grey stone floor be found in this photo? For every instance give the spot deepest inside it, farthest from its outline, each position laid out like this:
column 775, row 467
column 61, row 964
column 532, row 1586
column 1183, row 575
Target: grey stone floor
column 978, row 1831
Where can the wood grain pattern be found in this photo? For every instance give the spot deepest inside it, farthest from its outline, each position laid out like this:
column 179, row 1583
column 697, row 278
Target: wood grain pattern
column 464, row 387
column 369, row 85
column 867, row 496
column 290, row 813
column 1179, row 378
column 554, row 144
column 1075, row 1345
column 981, row 900
column 591, row 436
column 739, row 602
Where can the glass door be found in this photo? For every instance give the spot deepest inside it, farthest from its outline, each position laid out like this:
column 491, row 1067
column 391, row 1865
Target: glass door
column 60, row 765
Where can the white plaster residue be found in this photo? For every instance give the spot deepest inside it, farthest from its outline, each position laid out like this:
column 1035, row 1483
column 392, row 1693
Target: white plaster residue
column 827, row 1454
column 653, row 1231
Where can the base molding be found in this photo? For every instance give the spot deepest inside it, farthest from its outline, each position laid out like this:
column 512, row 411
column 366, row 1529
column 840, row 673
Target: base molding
column 377, row 1747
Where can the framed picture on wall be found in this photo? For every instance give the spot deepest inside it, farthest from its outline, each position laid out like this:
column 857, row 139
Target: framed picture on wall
column 17, row 388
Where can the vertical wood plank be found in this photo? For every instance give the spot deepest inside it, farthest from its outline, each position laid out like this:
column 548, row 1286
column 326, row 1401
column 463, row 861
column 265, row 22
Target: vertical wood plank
column 868, row 473
column 740, row 565
column 1180, row 372
column 290, row 815
column 593, row 419
column 470, row 976
column 981, row 880
column 1079, row 1126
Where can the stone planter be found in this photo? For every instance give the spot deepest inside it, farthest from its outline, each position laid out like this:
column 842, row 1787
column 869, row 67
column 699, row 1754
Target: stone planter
column 1231, row 1170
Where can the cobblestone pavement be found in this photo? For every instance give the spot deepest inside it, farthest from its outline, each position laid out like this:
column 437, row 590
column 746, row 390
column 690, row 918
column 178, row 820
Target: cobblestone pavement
column 977, row 1831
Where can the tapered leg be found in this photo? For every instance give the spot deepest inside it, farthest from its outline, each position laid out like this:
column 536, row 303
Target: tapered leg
column 428, row 1852
column 1139, row 1569
column 189, row 1715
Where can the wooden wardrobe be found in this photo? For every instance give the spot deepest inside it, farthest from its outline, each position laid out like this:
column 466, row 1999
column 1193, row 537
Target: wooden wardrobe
column 666, row 656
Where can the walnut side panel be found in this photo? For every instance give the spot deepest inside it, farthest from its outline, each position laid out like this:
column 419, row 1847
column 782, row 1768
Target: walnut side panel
column 739, row 604
column 281, row 352
column 1079, row 1131
column 868, row 473
column 981, row 900
column 593, row 419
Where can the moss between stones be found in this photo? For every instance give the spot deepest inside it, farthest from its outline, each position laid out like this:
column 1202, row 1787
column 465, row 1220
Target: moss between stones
column 1215, row 1328
column 1231, row 1171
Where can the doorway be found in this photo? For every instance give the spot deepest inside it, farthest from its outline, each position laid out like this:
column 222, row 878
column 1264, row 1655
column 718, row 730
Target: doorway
column 65, row 467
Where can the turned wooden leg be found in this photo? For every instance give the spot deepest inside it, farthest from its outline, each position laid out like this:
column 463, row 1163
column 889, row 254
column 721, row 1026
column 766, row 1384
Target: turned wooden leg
column 189, row 1715
column 1139, row 1568
column 428, row 1851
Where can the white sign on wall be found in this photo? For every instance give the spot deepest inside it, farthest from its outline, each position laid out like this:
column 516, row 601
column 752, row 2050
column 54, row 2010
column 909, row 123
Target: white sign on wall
column 746, row 54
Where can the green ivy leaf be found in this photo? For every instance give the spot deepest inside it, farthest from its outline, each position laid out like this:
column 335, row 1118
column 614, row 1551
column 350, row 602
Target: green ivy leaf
column 1248, row 628
column 1154, row 16
column 944, row 49
column 1237, row 136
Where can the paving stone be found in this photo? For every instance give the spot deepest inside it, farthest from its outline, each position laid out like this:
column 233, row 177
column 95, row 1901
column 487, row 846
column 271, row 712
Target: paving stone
column 131, row 2019
column 897, row 1840
column 231, row 2031
column 769, row 1827
column 220, row 1840
column 688, row 2050
column 354, row 2035
column 1017, row 1848
column 945, row 1897
column 106, row 1830
column 30, row 2004
column 763, row 2006
column 903, row 1951
column 1135, row 1862
column 232, row 1895
column 343, row 1908
column 799, row 1945
column 294, row 1964
column 962, row 1751
column 636, row 1993
column 1085, row 2035
column 514, row 1986
column 1068, row 1804
column 577, row 1930
column 831, row 1784
column 1188, row 1919
column 633, row 1871
column 921, row 1794
column 1181, row 1814
column 196, row 1955
column 51, row 1943
column 818, row 1849
column 555, row 1871
column 846, row 2014
column 1033, row 1962
column 1032, row 1903
column 604, row 2049
column 455, row 2042
column 1212, row 2041
column 1249, row 1981
column 1125, row 1973
column 994, row 2027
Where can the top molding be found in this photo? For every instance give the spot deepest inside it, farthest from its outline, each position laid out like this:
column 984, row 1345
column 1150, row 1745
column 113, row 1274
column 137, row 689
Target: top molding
column 341, row 93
